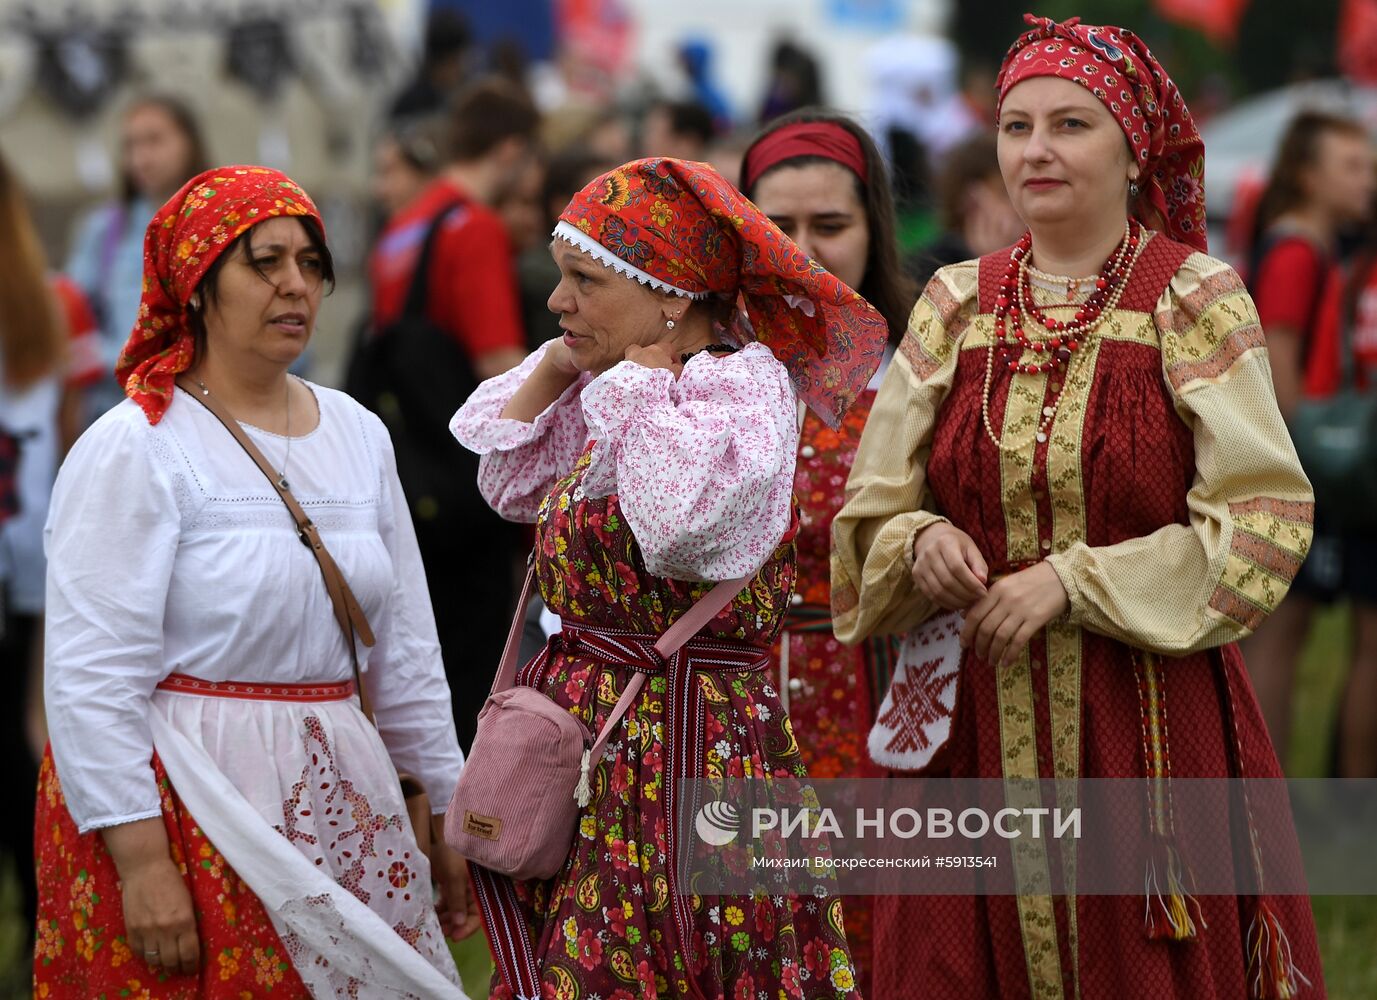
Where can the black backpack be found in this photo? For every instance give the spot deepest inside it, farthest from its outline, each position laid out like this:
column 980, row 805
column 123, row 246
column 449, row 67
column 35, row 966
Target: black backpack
column 415, row 375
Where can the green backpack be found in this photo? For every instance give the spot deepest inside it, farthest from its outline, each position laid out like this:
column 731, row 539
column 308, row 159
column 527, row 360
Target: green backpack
column 1336, row 439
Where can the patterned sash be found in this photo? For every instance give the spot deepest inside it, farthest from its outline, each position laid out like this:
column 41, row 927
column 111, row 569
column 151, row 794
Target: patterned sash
column 255, row 691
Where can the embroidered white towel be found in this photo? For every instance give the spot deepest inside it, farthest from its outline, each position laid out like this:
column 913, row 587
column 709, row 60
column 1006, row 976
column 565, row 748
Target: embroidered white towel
column 914, row 721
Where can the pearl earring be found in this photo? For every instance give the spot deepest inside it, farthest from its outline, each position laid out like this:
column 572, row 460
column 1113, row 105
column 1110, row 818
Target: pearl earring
column 669, row 324
column 195, row 302
column 1133, row 189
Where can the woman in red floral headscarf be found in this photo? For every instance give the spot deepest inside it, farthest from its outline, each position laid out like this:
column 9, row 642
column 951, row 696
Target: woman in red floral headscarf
column 216, row 817
column 653, row 446
column 1077, row 455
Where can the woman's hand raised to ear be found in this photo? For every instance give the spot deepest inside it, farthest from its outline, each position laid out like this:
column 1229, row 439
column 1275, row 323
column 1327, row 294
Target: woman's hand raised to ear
column 545, row 384
column 655, row 356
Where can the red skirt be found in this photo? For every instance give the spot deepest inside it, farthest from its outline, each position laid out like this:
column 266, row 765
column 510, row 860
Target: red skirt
column 80, row 951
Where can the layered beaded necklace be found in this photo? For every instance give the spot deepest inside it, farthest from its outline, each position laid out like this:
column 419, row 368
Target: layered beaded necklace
column 1015, row 307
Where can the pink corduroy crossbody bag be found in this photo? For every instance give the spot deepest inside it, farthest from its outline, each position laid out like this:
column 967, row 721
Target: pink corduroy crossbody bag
column 517, row 803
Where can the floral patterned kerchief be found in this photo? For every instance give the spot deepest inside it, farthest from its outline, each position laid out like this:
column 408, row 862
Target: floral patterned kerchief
column 1116, row 66
column 185, row 237
column 680, row 227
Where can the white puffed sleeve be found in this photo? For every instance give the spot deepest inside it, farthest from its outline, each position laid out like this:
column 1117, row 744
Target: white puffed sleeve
column 521, row 461
column 111, row 537
column 703, row 466
column 405, row 674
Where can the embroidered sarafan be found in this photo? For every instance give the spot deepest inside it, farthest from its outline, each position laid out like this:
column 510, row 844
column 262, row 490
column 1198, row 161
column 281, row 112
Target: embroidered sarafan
column 1169, row 501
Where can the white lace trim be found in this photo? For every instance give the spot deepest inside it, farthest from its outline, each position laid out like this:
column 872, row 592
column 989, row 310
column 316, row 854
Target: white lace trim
column 260, row 514
column 577, row 238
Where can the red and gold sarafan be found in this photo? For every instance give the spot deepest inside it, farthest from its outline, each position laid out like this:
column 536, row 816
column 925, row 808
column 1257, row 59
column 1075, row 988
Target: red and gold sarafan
column 1168, row 498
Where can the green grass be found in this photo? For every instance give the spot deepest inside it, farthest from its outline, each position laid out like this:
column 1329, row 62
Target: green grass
column 1347, row 925
column 475, row 967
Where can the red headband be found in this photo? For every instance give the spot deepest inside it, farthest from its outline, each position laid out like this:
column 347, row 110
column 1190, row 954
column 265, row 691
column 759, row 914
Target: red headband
column 825, row 139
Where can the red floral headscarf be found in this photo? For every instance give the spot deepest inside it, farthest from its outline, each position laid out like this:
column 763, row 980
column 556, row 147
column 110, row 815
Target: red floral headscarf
column 1114, row 65
column 186, row 236
column 680, row 227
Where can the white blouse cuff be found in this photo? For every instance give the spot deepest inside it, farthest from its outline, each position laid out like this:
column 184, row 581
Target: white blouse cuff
column 105, row 822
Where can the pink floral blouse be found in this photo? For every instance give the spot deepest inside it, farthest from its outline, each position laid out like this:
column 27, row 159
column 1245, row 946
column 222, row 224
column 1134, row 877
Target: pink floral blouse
column 703, row 466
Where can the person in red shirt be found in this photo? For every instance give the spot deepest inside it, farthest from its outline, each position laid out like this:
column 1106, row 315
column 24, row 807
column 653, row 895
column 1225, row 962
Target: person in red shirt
column 1323, row 182
column 472, row 287
column 1353, row 315
column 435, row 335
column 1359, row 310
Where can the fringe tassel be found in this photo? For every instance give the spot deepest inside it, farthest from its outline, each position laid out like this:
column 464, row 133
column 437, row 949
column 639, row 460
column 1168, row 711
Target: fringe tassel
column 583, row 791
column 1272, row 972
column 1170, row 913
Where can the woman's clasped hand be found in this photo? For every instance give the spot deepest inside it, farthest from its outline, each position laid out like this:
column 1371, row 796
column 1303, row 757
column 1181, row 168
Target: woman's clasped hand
column 1001, row 617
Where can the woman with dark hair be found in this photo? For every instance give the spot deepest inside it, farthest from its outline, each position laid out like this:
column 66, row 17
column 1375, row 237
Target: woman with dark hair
column 218, row 817
column 160, row 147
column 813, row 149
column 1076, row 486
column 819, row 177
column 1322, row 184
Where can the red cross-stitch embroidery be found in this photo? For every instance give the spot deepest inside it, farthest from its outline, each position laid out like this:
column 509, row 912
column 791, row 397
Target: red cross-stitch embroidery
column 916, row 704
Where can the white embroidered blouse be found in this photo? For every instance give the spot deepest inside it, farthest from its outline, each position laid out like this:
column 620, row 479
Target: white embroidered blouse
column 168, row 551
column 703, row 466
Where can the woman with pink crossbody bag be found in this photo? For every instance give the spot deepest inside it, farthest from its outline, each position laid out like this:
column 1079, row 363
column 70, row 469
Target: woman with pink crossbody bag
column 653, row 446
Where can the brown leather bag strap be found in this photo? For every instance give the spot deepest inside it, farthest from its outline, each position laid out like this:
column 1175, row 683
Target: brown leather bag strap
column 348, row 613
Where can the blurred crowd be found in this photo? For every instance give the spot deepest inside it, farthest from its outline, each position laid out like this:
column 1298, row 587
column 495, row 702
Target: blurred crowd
column 468, row 178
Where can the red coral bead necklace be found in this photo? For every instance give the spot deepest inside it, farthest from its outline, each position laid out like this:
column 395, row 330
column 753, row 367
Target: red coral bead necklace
column 1015, row 308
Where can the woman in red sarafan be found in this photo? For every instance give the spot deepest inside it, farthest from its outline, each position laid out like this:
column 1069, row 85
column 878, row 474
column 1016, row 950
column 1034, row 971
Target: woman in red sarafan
column 819, row 177
column 653, row 446
column 1078, row 446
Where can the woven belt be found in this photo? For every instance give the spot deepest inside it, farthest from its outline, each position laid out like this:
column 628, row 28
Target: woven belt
column 256, row 691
